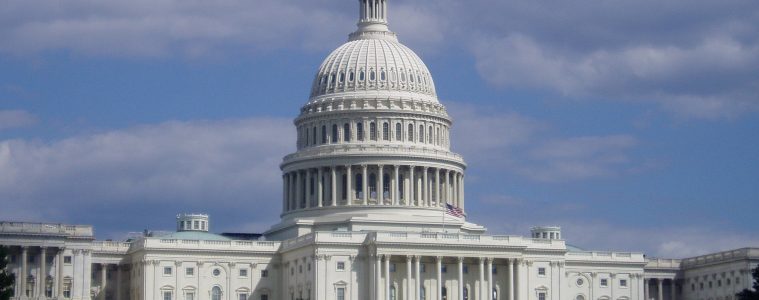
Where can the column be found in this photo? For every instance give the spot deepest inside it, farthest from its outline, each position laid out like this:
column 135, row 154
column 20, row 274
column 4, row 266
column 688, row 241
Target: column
column 447, row 185
column 454, row 190
column 460, row 285
column 42, row 276
column 411, row 191
column 645, row 289
column 59, row 271
column 333, row 184
column 418, row 281
column 364, row 184
column 462, row 192
column 437, row 187
column 480, row 287
column 291, row 193
column 512, row 292
column 380, row 185
column 24, row 272
column 408, row 278
column 439, row 267
column 87, row 258
column 660, row 283
column 104, row 280
column 426, row 186
column 489, row 291
column 298, row 194
column 396, row 186
column 118, row 281
column 308, row 188
column 673, row 291
column 377, row 276
column 284, row 193
column 349, row 185
column 387, row 277
column 319, row 187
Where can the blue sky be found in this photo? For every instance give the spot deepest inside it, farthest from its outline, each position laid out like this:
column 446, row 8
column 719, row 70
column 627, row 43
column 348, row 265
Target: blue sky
column 632, row 124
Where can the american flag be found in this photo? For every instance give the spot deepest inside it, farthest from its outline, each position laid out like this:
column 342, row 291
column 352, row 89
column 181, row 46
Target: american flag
column 454, row 211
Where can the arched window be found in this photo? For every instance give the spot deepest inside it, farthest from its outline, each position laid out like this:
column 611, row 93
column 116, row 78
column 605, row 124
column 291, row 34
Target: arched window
column 392, row 293
column 410, row 137
column 372, row 185
column 360, row 131
column 350, row 76
column 403, row 76
column 466, row 293
column 382, row 75
column 385, row 185
column 580, row 297
column 444, row 293
column 313, row 135
column 332, row 80
column 372, row 75
column 422, row 294
column 361, row 75
column 372, row 131
column 437, row 136
column 347, row 132
column 334, row 133
column 429, row 135
column 411, row 77
column 386, row 131
column 495, row 294
column 216, row 293
column 324, row 134
column 398, row 131
column 342, row 77
column 421, row 133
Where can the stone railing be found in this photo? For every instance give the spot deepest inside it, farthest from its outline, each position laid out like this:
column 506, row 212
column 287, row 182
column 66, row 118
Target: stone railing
column 606, row 256
column 158, row 242
column 44, row 228
column 663, row 263
column 110, row 247
column 737, row 254
column 468, row 239
column 401, row 150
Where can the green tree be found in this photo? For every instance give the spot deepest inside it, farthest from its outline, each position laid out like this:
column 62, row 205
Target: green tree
column 7, row 279
column 748, row 294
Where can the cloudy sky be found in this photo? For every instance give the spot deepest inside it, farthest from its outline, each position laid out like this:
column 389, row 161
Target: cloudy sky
column 633, row 124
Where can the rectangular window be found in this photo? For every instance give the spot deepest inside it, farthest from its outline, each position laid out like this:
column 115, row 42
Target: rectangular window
column 495, row 270
column 541, row 296
column 189, row 296
column 466, row 269
column 189, row 271
column 67, row 259
column 243, row 272
column 623, row 282
column 341, row 266
column 196, row 225
column 340, row 293
column 243, row 296
column 264, row 273
column 392, row 268
column 166, row 295
column 604, row 282
column 444, row 268
column 542, row 271
column 424, row 268
column 67, row 288
column 166, row 270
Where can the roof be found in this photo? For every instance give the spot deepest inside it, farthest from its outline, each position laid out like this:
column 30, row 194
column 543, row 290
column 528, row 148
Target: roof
column 573, row 248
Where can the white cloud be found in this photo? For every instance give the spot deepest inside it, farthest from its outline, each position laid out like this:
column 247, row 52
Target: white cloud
column 209, row 165
column 15, row 119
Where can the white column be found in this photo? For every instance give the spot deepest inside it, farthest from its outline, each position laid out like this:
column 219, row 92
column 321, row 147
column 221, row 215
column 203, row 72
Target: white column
column 462, row 192
column 308, row 188
column 660, row 283
column 365, row 183
column 480, row 286
column 298, row 194
column 461, row 278
column 103, row 280
column 512, row 292
column 418, row 279
column 59, row 271
column 333, row 185
column 380, row 185
column 396, row 184
column 489, row 270
column 319, row 187
column 387, row 277
column 439, row 268
column 645, row 289
column 87, row 257
column 43, row 273
column 437, row 187
column 447, row 186
column 377, row 277
column 409, row 285
column 118, row 281
column 411, row 191
column 24, row 270
column 349, row 184
column 426, row 187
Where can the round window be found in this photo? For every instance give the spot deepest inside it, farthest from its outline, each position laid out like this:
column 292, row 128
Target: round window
column 580, row 281
column 216, row 272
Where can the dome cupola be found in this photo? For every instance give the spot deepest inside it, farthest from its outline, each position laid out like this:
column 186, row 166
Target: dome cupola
column 192, row 222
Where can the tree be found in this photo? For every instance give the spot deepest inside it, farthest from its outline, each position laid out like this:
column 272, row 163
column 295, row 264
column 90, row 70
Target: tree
column 748, row 294
column 7, row 279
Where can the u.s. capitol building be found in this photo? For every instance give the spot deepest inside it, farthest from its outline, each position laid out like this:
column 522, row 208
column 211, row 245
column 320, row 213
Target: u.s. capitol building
column 373, row 208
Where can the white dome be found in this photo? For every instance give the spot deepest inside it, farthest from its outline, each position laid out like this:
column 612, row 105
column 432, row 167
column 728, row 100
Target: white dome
column 372, row 63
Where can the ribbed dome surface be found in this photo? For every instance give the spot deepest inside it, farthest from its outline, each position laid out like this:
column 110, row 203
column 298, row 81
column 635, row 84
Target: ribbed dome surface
column 374, row 65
